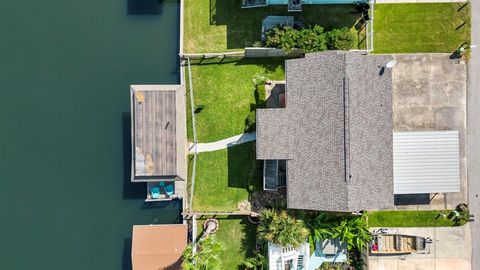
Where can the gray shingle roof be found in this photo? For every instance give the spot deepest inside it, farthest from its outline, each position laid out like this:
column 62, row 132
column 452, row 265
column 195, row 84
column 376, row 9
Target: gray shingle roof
column 335, row 132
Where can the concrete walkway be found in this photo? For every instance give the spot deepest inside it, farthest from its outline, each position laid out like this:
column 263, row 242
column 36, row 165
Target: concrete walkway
column 418, row 1
column 473, row 134
column 225, row 143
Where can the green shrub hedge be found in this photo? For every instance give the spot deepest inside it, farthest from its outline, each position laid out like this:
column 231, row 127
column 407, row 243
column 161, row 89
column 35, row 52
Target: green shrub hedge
column 313, row 39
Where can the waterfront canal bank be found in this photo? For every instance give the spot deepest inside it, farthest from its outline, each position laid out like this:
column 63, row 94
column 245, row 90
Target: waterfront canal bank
column 65, row 192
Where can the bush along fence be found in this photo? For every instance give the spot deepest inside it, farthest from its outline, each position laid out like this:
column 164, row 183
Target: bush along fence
column 314, row 39
column 286, row 42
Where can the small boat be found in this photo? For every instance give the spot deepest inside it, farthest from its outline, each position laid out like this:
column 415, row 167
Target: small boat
column 392, row 244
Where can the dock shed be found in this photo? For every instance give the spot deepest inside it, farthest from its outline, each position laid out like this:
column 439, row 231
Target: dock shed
column 158, row 118
column 158, row 246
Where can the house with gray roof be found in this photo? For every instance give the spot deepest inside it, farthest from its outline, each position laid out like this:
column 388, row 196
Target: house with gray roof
column 329, row 139
column 335, row 132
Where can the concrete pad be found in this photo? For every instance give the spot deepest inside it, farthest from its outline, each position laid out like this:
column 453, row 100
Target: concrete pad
column 416, row 264
column 452, row 242
column 429, row 93
column 438, row 202
column 450, row 249
column 383, row 264
column 452, row 264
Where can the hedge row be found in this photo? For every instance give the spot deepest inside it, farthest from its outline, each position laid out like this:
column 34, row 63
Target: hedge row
column 313, row 39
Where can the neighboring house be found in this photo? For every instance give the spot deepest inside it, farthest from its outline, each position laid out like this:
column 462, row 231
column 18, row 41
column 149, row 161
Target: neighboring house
column 291, row 258
column 159, row 150
column 295, row 5
column 157, row 247
column 330, row 251
column 333, row 145
column 288, row 258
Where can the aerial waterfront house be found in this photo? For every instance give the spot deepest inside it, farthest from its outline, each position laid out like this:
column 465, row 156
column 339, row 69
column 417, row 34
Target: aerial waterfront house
column 333, row 147
column 159, row 150
column 158, row 246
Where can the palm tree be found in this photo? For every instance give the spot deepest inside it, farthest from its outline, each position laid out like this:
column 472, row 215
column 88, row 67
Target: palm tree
column 354, row 232
column 207, row 256
column 322, row 227
column 282, row 229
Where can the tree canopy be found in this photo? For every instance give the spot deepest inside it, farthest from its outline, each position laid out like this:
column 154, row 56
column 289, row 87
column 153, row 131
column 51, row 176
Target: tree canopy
column 313, row 39
column 281, row 228
column 207, row 256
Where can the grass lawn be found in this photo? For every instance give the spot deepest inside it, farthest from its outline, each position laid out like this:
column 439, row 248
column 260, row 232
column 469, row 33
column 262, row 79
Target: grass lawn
column 409, row 219
column 238, row 237
column 224, row 178
column 227, row 91
column 411, row 28
column 221, row 25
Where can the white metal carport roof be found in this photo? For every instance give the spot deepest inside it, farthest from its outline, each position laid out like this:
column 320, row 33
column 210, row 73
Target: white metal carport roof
column 426, row 162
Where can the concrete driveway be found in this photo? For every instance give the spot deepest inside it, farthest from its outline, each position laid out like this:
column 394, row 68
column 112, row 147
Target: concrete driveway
column 429, row 93
column 451, row 249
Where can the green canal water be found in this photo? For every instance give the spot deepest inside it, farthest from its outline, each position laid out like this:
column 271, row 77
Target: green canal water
column 65, row 69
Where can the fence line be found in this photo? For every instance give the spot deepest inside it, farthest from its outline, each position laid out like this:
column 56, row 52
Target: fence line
column 188, row 214
column 192, row 104
column 212, row 55
column 194, row 168
column 370, row 30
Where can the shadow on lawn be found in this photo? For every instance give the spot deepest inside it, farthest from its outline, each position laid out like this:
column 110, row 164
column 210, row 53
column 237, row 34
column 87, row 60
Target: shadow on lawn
column 270, row 65
column 244, row 25
column 247, row 238
column 244, row 171
column 249, row 243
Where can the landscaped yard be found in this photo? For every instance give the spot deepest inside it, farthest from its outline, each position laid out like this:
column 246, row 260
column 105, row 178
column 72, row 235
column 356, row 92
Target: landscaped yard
column 414, row 28
column 224, row 178
column 238, row 237
column 409, row 219
column 226, row 91
column 221, row 25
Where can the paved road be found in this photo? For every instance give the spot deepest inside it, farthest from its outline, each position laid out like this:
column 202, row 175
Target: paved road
column 473, row 134
column 225, row 143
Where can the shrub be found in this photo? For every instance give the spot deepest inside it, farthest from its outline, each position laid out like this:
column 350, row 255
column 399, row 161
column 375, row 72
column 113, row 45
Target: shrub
column 259, row 79
column 250, row 122
column 313, row 39
column 340, row 39
column 260, row 96
column 257, row 262
column 353, row 230
column 207, row 256
column 282, row 37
